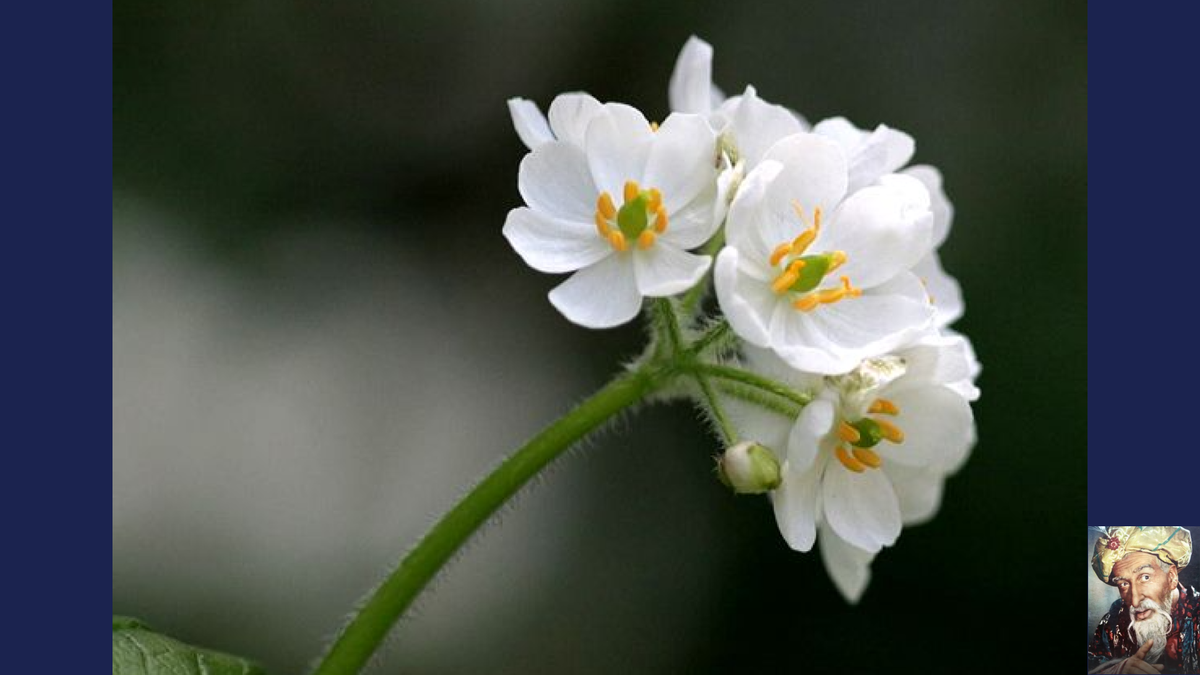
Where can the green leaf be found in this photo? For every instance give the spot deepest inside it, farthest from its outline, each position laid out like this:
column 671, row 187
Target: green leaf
column 138, row 650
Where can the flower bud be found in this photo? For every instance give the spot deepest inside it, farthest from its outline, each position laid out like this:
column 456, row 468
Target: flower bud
column 749, row 468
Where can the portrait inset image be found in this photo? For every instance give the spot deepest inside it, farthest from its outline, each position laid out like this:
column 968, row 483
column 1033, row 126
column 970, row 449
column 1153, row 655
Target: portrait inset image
column 1154, row 624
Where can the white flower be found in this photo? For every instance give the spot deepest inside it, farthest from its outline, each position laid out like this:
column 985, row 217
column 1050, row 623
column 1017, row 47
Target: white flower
column 619, row 200
column 570, row 115
column 746, row 125
column 823, row 293
column 870, row 453
column 874, row 154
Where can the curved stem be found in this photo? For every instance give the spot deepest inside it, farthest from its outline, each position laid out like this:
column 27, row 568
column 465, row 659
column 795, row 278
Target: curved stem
column 751, row 379
column 366, row 631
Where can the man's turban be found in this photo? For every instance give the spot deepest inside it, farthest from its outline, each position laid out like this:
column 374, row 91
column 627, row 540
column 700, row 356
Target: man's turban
column 1172, row 545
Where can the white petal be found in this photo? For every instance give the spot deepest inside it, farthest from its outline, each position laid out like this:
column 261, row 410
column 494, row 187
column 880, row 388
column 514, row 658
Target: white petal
column 682, row 160
column 796, row 504
column 848, row 566
column 944, row 291
column 756, row 125
column 663, row 270
column 939, row 203
column 832, row 339
column 814, row 175
column 870, row 155
column 883, row 229
column 570, row 115
column 809, row 433
column 936, row 359
column 690, row 89
column 618, row 146
column 601, row 296
column 529, row 122
column 555, row 179
column 918, row 490
column 696, row 222
column 747, row 227
column 861, row 507
column 937, row 425
column 549, row 244
column 746, row 303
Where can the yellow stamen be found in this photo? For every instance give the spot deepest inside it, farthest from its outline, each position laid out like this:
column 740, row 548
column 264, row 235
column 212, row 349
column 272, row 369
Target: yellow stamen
column 631, row 190
column 602, row 225
column 790, row 275
column 645, row 239
column 605, row 206
column 849, row 462
column 655, row 200
column 617, row 239
column 660, row 219
column 654, row 126
column 890, row 431
column 848, row 433
column 884, row 407
column 867, row 457
column 779, row 252
column 830, row 296
column 806, row 303
column 838, row 258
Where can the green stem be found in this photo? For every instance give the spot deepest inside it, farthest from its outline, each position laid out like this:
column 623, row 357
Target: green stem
column 670, row 321
column 759, row 398
column 751, row 379
column 366, row 631
column 718, row 332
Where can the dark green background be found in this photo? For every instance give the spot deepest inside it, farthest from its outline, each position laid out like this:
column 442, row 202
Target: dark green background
column 260, row 121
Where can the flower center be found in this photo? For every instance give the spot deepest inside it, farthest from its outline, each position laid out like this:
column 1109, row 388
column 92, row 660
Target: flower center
column 802, row 274
column 641, row 218
column 862, row 435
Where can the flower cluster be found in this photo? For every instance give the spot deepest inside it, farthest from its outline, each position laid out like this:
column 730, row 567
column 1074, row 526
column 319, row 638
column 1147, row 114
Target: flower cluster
column 846, row 395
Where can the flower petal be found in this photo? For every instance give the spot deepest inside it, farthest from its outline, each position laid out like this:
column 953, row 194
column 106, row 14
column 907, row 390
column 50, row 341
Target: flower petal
column 756, row 125
column 570, row 115
column 861, row 507
column 869, row 155
column 690, row 89
column 832, row 339
column 937, row 359
column 919, row 491
column 939, row 203
column 750, row 227
column 883, row 229
column 848, row 566
column 618, row 145
column 796, row 503
column 529, row 122
column 747, row 305
column 601, row 296
column 663, row 270
column 938, row 428
column 809, row 433
column 695, row 223
column 682, row 160
column 555, row 179
column 549, row 244
column 814, row 175
column 944, row 291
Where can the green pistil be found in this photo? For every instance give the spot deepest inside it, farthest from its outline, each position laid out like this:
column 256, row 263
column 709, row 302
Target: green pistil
column 814, row 270
column 632, row 217
column 869, row 433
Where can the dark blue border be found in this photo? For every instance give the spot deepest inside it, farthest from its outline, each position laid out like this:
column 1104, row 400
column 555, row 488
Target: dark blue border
column 1144, row 262
column 57, row 207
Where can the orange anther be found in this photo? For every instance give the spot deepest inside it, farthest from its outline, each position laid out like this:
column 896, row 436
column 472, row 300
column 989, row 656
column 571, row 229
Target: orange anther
column 602, row 225
column 867, row 457
column 645, row 239
column 884, row 407
column 660, row 219
column 848, row 433
column 849, row 462
column 604, row 206
column 617, row 239
column 631, row 190
column 890, row 431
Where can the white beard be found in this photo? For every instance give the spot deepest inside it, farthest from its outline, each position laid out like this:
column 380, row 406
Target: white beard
column 1154, row 628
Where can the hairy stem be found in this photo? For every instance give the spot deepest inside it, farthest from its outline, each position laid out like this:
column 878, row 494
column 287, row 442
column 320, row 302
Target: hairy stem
column 366, row 631
column 751, row 380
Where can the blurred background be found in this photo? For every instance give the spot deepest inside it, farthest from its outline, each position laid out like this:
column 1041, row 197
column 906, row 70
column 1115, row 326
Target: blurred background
column 320, row 339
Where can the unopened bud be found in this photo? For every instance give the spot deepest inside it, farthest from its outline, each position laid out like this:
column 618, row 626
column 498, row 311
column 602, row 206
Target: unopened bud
column 749, row 468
